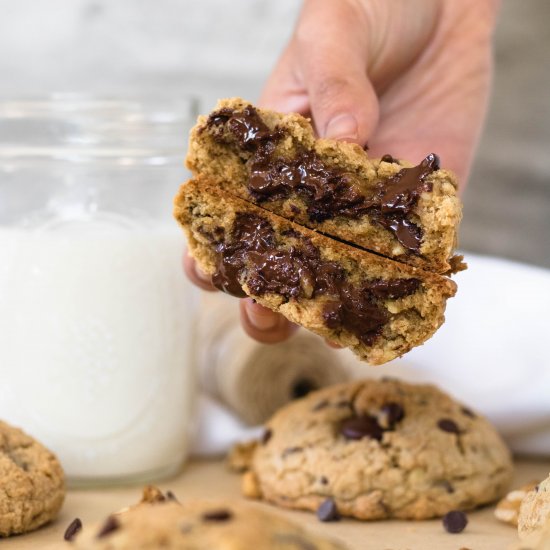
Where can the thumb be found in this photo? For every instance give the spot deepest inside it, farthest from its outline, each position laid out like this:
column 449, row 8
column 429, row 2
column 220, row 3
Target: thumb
column 332, row 47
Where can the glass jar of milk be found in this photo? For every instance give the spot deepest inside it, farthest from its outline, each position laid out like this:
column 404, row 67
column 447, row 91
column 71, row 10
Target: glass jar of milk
column 96, row 317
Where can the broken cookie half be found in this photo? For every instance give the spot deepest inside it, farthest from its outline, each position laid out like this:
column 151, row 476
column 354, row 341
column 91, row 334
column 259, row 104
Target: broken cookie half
column 378, row 307
column 388, row 206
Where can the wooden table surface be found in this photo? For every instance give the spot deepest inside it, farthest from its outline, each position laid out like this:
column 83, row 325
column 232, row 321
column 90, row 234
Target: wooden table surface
column 211, row 479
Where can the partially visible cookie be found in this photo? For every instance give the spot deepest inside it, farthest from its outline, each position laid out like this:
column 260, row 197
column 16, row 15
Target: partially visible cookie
column 32, row 483
column 196, row 525
column 534, row 513
column 507, row 509
column 379, row 449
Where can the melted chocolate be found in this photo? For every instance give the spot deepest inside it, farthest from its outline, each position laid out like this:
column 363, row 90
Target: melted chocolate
column 298, row 271
column 245, row 127
column 328, row 191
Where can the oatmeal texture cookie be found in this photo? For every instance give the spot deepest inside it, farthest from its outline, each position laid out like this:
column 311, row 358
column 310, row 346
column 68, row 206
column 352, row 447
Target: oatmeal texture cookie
column 409, row 213
column 32, row 483
column 379, row 449
column 195, row 525
column 378, row 307
column 534, row 513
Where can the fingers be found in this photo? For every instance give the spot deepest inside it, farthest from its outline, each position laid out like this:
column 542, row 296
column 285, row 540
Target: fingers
column 195, row 275
column 258, row 322
column 283, row 90
column 332, row 345
column 264, row 325
column 332, row 49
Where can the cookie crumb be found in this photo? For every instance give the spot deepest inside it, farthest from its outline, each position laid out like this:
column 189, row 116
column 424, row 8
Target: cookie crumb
column 250, row 485
column 455, row 521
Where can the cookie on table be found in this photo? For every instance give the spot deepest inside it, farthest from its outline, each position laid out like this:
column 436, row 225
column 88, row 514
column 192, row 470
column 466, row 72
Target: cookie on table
column 32, row 487
column 194, row 525
column 378, row 307
column 375, row 449
column 534, row 513
column 408, row 213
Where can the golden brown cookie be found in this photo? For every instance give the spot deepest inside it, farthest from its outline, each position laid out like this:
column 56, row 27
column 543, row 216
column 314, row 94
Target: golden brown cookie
column 194, row 525
column 408, row 213
column 378, row 307
column 534, row 513
column 32, row 483
column 377, row 449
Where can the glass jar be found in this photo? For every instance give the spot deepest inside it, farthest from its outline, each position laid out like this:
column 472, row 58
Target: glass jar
column 96, row 317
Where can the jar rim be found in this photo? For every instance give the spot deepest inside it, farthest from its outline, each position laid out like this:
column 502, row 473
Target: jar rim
column 132, row 129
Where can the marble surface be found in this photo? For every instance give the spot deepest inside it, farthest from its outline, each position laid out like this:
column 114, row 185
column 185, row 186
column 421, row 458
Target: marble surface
column 214, row 48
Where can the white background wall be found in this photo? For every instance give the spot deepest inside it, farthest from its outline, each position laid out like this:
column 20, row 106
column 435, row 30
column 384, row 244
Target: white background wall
column 216, row 48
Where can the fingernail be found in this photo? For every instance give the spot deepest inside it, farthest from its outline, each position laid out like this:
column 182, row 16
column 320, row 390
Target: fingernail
column 341, row 127
column 261, row 318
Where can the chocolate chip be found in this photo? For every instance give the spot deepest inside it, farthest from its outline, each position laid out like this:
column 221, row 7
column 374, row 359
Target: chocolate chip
column 358, row 427
column 171, row 496
column 455, row 521
column 328, row 511
column 74, row 527
column 468, row 412
column 448, row 425
column 323, row 480
column 217, row 515
column 111, row 524
column 302, row 387
column 266, row 436
column 321, row 405
column 387, row 158
column 390, row 414
column 447, row 486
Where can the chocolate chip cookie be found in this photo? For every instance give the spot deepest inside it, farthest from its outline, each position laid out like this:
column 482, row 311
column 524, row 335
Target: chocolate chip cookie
column 405, row 212
column 192, row 525
column 379, row 449
column 378, row 307
column 534, row 512
column 32, row 483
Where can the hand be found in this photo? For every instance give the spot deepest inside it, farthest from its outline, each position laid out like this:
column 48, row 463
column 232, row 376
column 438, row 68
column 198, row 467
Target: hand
column 409, row 77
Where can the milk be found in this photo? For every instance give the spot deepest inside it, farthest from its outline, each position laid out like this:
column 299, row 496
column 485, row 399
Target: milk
column 96, row 344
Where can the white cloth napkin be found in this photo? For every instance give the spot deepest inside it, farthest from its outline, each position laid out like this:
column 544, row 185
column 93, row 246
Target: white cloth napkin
column 491, row 354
